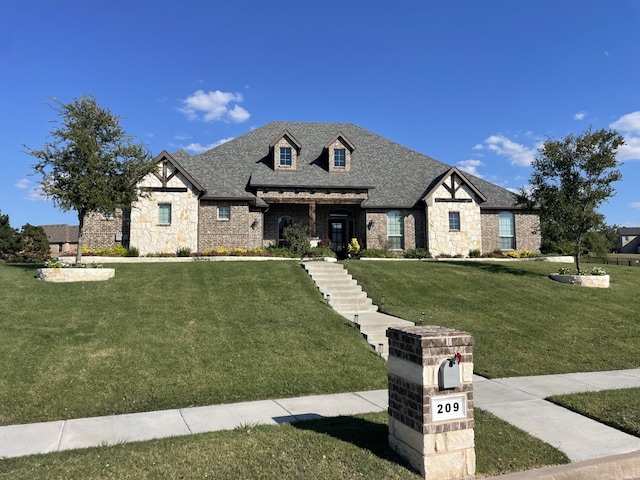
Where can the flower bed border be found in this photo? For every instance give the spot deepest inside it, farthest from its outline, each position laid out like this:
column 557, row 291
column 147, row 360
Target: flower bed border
column 592, row 281
column 64, row 275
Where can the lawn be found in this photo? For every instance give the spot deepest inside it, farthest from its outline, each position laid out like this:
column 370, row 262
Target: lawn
column 335, row 448
column 523, row 322
column 163, row 336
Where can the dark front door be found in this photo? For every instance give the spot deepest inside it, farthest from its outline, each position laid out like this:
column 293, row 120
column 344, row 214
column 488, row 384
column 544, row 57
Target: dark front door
column 338, row 234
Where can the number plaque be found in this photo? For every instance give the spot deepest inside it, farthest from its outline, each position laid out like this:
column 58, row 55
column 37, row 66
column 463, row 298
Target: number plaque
column 448, row 407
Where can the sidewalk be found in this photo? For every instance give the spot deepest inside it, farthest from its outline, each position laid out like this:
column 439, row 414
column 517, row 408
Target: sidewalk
column 517, row 400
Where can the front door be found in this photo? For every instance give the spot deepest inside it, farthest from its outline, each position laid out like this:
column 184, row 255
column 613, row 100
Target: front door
column 338, row 235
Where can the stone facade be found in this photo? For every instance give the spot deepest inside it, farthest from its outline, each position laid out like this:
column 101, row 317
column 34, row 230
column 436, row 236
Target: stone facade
column 65, row 275
column 147, row 234
column 443, row 240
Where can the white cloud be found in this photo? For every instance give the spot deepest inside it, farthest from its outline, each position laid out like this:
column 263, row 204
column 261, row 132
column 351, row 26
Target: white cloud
column 210, row 106
column 35, row 195
column 22, row 184
column 580, row 115
column 517, row 153
column 635, row 205
column 197, row 148
column 470, row 166
column 182, row 136
column 629, row 125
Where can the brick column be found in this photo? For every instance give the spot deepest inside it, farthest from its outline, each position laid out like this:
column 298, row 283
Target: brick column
column 439, row 444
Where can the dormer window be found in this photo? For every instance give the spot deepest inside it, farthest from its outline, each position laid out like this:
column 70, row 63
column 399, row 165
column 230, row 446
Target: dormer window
column 285, row 150
column 339, row 150
column 285, row 157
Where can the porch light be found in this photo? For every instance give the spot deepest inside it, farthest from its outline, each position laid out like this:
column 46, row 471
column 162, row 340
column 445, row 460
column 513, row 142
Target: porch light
column 421, row 318
column 380, row 348
column 356, row 317
column 370, row 224
column 328, row 299
column 254, row 224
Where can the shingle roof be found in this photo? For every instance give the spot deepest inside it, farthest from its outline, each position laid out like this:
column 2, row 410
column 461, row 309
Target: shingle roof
column 61, row 233
column 629, row 231
column 395, row 175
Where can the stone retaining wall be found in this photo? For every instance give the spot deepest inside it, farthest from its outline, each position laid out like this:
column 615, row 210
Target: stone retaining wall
column 75, row 274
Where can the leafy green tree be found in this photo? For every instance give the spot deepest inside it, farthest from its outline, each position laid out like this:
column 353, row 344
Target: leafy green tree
column 571, row 178
column 36, row 246
column 10, row 238
column 91, row 165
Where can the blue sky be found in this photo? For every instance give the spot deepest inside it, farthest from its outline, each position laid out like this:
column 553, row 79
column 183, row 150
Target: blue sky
column 479, row 85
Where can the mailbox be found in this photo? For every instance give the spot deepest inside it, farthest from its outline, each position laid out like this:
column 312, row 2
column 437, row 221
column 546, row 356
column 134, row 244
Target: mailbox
column 449, row 374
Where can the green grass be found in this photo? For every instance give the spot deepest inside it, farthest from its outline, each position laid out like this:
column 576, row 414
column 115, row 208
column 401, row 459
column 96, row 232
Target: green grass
column 161, row 336
column 336, row 448
column 523, row 323
column 174, row 335
column 619, row 409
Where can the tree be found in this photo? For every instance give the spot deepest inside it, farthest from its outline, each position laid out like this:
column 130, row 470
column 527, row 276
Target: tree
column 36, row 246
column 91, row 165
column 10, row 238
column 571, row 178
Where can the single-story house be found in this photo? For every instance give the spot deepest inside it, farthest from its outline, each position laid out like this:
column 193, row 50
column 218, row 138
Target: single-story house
column 338, row 180
column 628, row 240
column 62, row 238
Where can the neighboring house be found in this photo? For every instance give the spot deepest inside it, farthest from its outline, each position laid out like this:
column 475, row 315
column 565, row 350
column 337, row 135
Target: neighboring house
column 338, row 180
column 62, row 238
column 628, row 240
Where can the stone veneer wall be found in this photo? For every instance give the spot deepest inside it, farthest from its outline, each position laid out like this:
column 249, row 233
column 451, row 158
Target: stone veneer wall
column 441, row 240
column 147, row 235
column 239, row 231
column 527, row 226
column 101, row 231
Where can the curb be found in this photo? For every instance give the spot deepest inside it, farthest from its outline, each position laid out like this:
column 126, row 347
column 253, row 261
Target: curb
column 615, row 467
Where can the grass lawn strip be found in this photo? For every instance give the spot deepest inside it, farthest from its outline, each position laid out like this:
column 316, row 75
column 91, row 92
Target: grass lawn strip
column 619, row 409
column 336, row 448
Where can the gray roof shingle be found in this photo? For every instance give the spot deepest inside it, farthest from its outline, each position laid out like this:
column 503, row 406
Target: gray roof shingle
column 396, row 176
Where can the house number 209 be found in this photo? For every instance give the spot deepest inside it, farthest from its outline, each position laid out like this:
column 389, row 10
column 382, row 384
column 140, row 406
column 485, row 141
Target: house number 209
column 448, row 407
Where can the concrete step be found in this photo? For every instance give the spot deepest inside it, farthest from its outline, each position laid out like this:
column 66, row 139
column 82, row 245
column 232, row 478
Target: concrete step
column 362, row 300
column 348, row 311
column 330, row 278
column 322, row 266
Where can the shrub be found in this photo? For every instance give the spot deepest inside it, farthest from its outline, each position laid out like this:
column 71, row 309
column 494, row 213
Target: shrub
column 512, row 254
column 132, row 252
column 598, row 271
column 280, row 252
column 183, row 252
column 377, row 253
column 417, row 253
column 475, row 253
column 323, row 251
column 563, row 270
column 354, row 247
column 296, row 240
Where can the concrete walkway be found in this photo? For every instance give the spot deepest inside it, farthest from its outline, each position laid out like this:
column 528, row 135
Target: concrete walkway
column 518, row 400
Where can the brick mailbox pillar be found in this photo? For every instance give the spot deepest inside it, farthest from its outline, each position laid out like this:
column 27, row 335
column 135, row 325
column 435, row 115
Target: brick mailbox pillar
column 431, row 400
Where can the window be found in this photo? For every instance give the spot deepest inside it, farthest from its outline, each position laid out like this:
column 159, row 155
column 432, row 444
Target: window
column 164, row 213
column 395, row 230
column 224, row 213
column 506, row 231
column 285, row 156
column 339, row 158
column 283, row 222
column 454, row 221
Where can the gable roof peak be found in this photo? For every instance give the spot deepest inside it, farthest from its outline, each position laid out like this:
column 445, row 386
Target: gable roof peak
column 343, row 139
column 291, row 139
